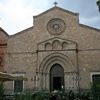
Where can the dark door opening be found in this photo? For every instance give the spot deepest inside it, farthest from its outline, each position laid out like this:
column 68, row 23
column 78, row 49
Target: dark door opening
column 57, row 83
column 56, row 78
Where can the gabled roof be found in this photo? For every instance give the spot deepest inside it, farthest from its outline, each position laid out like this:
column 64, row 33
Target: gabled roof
column 66, row 11
column 1, row 29
column 56, row 7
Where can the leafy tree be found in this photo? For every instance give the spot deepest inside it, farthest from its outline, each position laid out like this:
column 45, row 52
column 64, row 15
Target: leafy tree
column 98, row 4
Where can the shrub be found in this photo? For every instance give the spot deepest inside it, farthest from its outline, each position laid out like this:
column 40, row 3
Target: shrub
column 95, row 91
column 2, row 96
column 41, row 96
column 22, row 96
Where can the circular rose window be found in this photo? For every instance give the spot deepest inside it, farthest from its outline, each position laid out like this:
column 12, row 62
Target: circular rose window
column 56, row 26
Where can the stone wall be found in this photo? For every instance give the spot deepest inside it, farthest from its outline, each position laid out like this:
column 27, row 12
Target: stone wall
column 28, row 49
column 3, row 48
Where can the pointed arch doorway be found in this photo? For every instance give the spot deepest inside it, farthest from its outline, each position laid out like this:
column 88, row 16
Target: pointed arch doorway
column 57, row 78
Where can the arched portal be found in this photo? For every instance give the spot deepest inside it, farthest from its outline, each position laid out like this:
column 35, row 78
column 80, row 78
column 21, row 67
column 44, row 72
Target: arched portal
column 56, row 77
column 57, row 67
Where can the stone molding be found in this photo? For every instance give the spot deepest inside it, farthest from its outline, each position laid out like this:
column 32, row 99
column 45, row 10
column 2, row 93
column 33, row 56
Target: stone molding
column 58, row 58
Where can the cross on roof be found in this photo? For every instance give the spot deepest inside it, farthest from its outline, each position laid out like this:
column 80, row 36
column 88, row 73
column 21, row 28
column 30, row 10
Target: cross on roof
column 55, row 3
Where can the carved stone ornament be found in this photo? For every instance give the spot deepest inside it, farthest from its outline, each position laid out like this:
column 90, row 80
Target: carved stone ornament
column 56, row 26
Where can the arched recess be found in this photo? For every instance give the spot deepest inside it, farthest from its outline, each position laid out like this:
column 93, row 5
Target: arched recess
column 59, row 58
column 46, row 65
column 56, row 45
column 48, row 46
column 64, row 45
column 56, row 77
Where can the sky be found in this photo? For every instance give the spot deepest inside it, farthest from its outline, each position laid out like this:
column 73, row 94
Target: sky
column 17, row 15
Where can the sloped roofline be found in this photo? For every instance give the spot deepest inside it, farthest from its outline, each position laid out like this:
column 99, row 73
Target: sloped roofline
column 72, row 13
column 56, row 7
column 19, row 33
column 89, row 27
column 1, row 29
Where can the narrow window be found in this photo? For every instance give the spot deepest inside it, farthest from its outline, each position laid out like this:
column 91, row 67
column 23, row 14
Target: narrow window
column 96, row 79
column 1, row 60
column 18, row 86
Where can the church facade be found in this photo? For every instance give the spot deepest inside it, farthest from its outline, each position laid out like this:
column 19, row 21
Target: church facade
column 56, row 53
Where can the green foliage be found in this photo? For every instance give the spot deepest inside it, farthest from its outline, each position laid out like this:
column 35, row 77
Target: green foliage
column 98, row 4
column 61, row 96
column 52, row 96
column 30, row 96
column 95, row 91
column 82, row 96
column 22, row 96
column 40, row 96
column 93, row 94
column 2, row 97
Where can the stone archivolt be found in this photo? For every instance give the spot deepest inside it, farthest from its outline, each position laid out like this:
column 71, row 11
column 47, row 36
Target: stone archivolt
column 59, row 58
column 70, row 70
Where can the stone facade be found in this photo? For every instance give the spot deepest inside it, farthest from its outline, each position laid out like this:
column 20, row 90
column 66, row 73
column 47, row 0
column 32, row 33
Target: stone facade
column 3, row 48
column 56, row 41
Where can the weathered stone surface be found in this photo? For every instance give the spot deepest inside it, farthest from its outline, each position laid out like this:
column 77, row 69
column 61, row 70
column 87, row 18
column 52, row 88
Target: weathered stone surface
column 35, row 50
column 3, row 48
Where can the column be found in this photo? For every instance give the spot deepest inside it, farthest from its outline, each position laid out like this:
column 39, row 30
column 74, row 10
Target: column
column 43, row 81
column 47, row 82
column 40, row 81
column 66, row 81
